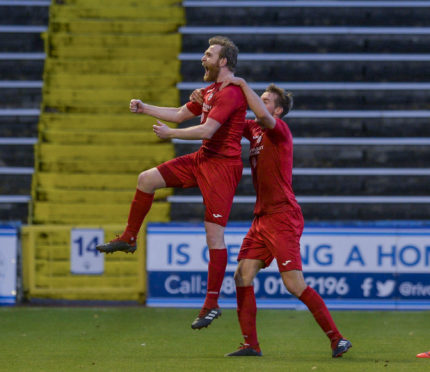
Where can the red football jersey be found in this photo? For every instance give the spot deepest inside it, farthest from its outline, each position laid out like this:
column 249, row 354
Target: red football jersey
column 227, row 107
column 271, row 158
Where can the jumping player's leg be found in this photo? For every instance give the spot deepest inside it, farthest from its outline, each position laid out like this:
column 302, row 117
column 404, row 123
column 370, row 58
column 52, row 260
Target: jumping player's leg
column 216, row 271
column 217, row 263
column 217, row 182
column 178, row 172
column 148, row 181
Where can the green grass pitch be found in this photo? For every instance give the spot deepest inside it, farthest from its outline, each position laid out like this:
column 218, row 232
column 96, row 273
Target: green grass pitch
column 147, row 339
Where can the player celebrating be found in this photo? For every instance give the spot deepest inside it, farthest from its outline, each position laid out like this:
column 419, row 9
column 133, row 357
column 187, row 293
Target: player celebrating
column 278, row 223
column 216, row 168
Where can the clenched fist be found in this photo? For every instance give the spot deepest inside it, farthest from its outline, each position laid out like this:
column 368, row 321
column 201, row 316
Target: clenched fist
column 137, row 106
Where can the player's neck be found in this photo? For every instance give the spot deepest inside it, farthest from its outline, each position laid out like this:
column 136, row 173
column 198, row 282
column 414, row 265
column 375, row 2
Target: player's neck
column 223, row 74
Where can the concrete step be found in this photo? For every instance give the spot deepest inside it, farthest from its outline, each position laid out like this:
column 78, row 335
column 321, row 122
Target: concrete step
column 316, row 71
column 316, row 212
column 18, row 69
column 15, row 184
column 284, row 15
column 361, row 127
column 18, row 126
column 29, row 13
column 29, row 98
column 315, row 99
column 16, row 156
column 20, row 42
column 14, row 212
column 339, row 156
column 341, row 185
column 310, row 40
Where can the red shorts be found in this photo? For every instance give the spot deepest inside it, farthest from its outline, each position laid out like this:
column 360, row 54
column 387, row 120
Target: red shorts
column 277, row 236
column 216, row 178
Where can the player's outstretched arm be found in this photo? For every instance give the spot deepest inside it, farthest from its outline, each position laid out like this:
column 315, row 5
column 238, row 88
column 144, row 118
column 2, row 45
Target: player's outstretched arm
column 254, row 101
column 173, row 114
column 196, row 132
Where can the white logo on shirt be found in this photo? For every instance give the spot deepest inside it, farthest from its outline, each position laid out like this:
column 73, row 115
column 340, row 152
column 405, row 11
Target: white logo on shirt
column 258, row 138
column 256, row 150
column 217, row 215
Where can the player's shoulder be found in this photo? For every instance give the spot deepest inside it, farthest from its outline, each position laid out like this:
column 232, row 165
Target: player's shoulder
column 232, row 90
column 281, row 122
column 280, row 131
column 282, row 125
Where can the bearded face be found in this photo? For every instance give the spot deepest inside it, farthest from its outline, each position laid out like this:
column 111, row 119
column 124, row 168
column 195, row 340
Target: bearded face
column 211, row 71
column 211, row 63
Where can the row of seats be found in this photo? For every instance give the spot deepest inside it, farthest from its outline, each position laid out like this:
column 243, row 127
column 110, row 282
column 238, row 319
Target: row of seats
column 371, row 67
column 21, row 61
column 295, row 45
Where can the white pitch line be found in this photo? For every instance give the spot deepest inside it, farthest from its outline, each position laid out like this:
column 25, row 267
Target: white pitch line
column 18, row 140
column 375, row 57
column 196, row 199
column 21, row 84
column 321, row 86
column 341, row 141
column 22, row 29
column 24, row 3
column 308, row 30
column 355, row 171
column 15, row 198
column 19, row 112
column 16, row 170
column 306, row 4
column 22, row 56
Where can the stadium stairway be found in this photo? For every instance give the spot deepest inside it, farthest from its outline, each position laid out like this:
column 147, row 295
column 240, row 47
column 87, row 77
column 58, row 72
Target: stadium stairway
column 90, row 148
column 360, row 77
column 21, row 68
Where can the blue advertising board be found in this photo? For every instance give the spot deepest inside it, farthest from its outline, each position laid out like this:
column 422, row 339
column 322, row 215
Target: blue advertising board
column 8, row 255
column 351, row 267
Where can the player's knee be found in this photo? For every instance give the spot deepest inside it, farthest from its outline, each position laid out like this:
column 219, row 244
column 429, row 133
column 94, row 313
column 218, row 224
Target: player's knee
column 215, row 236
column 142, row 179
column 238, row 278
column 242, row 278
column 295, row 287
column 214, row 241
column 147, row 182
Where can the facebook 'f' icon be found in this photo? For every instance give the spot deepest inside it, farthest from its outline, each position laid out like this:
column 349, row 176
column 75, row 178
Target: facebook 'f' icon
column 367, row 286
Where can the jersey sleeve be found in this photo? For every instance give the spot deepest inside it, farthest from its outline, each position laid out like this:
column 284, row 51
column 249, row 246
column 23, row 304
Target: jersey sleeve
column 247, row 133
column 194, row 107
column 226, row 102
column 279, row 132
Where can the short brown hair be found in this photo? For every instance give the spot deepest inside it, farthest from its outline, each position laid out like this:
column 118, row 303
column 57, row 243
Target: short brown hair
column 229, row 50
column 283, row 99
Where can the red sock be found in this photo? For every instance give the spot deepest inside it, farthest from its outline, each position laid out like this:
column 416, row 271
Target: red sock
column 140, row 207
column 216, row 271
column 247, row 314
column 319, row 310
